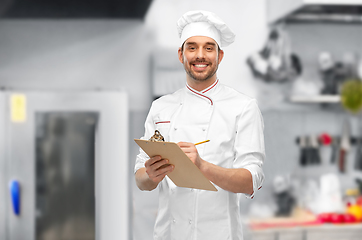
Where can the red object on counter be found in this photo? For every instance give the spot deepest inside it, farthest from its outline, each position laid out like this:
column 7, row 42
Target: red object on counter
column 325, row 139
column 336, row 218
column 349, row 218
column 325, row 217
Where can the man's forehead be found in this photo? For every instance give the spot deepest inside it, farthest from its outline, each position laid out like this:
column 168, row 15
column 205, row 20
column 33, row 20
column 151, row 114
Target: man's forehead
column 200, row 40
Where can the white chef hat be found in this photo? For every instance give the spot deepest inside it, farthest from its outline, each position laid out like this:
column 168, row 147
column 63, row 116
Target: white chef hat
column 203, row 23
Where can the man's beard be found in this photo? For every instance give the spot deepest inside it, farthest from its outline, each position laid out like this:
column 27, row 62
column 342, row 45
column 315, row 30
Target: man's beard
column 194, row 76
column 200, row 78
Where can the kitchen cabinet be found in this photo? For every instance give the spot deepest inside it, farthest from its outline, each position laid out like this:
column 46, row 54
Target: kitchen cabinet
column 278, row 9
column 333, row 2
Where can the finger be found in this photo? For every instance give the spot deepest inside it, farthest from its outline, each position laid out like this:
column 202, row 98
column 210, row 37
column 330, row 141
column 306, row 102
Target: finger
column 184, row 144
column 158, row 175
column 159, row 164
column 164, row 170
column 152, row 160
column 185, row 148
column 152, row 169
column 189, row 150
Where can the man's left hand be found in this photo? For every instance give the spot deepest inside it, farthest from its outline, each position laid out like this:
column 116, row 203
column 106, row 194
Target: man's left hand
column 191, row 151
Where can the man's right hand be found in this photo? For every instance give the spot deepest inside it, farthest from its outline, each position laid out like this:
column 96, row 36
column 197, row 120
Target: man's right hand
column 153, row 173
column 157, row 168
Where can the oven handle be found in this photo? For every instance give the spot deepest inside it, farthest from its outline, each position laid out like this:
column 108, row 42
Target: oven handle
column 14, row 187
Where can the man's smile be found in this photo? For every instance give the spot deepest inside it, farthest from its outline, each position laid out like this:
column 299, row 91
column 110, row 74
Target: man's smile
column 200, row 66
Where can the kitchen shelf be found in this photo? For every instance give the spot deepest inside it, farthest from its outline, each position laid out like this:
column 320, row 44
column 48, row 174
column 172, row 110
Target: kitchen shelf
column 316, row 99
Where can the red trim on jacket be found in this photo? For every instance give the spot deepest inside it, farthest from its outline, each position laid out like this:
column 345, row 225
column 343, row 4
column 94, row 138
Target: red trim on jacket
column 211, row 87
column 162, row 122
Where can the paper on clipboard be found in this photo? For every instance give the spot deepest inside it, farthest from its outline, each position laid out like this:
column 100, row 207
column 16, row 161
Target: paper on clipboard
column 186, row 173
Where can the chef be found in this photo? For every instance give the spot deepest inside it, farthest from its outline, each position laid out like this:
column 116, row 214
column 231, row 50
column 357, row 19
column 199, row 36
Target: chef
column 204, row 109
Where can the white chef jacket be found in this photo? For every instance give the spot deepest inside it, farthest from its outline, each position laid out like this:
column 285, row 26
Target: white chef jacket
column 233, row 123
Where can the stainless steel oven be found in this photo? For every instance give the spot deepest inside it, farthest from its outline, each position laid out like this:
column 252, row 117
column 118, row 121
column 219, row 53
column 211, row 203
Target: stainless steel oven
column 64, row 165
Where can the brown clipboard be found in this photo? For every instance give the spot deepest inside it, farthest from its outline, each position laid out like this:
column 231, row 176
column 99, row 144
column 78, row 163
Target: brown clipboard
column 186, row 173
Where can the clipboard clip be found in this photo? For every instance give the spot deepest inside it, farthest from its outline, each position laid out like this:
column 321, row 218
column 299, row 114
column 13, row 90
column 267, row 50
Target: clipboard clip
column 157, row 137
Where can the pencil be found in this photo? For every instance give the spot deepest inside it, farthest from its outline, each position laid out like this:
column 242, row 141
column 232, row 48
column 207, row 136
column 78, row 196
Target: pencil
column 202, row 142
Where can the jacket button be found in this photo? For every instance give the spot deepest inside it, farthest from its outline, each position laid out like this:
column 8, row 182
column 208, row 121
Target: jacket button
column 175, row 128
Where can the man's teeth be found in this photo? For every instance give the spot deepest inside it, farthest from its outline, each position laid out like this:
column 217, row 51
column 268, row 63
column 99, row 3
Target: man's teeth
column 200, row 66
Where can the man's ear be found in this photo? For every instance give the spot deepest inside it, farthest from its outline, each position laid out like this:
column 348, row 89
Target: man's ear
column 180, row 56
column 221, row 55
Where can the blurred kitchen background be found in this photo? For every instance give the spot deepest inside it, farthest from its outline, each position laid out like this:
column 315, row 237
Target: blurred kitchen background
column 77, row 79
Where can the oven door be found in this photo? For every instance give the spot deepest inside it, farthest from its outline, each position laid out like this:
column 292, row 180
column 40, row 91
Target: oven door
column 64, row 166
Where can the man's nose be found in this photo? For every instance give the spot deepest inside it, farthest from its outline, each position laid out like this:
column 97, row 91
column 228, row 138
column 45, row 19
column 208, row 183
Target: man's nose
column 200, row 54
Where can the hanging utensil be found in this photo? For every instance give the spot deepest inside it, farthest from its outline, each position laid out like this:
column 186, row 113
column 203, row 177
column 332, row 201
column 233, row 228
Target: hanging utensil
column 345, row 146
column 335, row 149
column 308, row 151
column 358, row 161
column 325, row 141
column 314, row 150
column 302, row 149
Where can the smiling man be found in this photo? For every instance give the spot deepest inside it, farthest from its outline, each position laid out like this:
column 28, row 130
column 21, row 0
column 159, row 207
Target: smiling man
column 200, row 56
column 204, row 109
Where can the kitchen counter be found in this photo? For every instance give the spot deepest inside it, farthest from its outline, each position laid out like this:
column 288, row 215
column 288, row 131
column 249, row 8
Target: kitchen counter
column 302, row 225
column 315, row 232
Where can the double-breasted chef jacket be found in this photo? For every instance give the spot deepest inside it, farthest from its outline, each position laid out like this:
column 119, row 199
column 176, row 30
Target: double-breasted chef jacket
column 233, row 123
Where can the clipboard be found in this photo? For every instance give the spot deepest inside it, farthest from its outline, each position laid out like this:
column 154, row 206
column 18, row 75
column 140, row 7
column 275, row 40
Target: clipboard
column 186, row 173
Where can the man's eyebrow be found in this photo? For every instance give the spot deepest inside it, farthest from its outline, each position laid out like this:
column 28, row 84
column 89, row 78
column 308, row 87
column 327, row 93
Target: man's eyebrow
column 190, row 43
column 207, row 43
